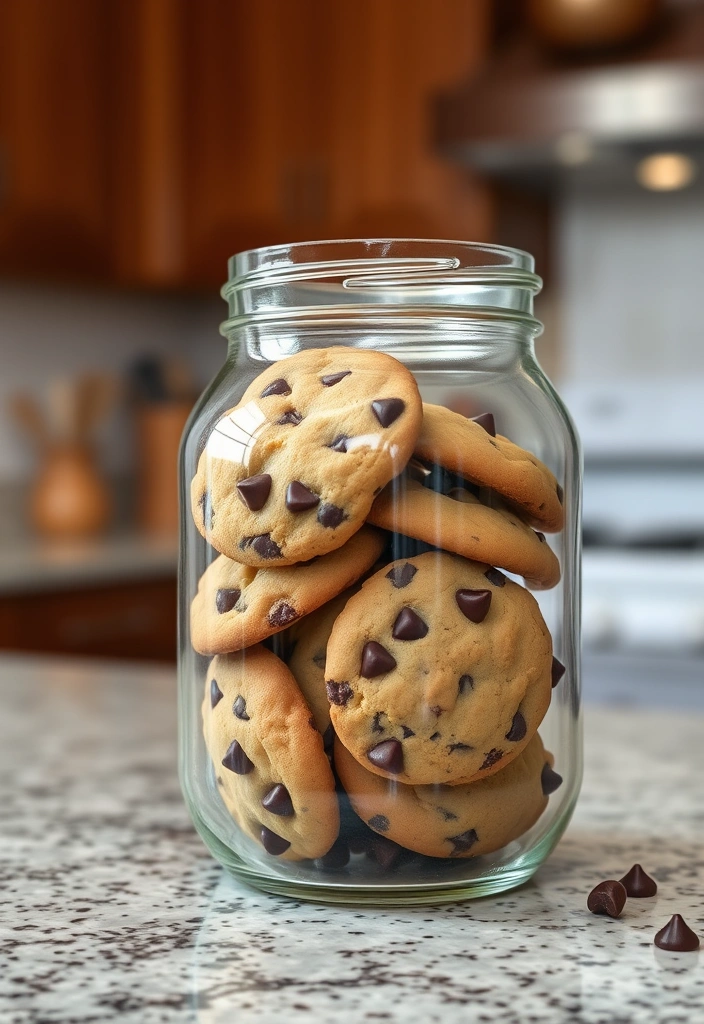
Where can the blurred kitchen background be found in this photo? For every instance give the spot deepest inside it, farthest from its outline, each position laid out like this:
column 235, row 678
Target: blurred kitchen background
column 142, row 142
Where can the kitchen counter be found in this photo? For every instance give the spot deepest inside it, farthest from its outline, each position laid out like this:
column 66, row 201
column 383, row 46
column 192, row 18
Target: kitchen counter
column 111, row 909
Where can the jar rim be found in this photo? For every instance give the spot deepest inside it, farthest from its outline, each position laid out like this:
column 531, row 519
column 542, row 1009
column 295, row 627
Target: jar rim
column 348, row 273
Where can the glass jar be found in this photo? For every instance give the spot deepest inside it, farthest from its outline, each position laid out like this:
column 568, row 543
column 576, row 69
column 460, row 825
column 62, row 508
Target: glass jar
column 359, row 704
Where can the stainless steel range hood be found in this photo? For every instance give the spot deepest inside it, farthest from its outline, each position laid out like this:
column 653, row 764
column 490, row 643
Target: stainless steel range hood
column 531, row 118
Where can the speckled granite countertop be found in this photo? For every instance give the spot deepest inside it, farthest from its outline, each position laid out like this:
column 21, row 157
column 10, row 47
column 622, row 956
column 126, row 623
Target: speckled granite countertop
column 111, row 909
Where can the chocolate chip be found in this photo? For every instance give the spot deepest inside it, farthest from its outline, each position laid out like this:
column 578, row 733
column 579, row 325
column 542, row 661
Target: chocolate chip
column 338, row 693
column 380, row 823
column 273, row 844
column 254, row 491
column 407, row 732
column 447, row 815
column 518, row 728
column 239, row 709
column 486, row 420
column 549, row 780
column 540, row 536
column 319, row 659
column 474, row 604
column 299, row 498
column 219, row 781
column 409, row 626
column 376, row 660
column 330, row 516
column 215, row 693
column 236, row 760
column 311, row 723
column 339, row 444
column 496, row 577
column 435, row 736
column 401, row 575
column 384, row 852
column 278, row 801
column 277, row 387
column 293, row 418
column 206, row 507
column 463, row 842
column 387, row 410
column 376, row 722
column 387, row 755
column 607, row 897
column 281, row 614
column 560, row 493
column 263, row 545
column 466, row 683
column 491, row 758
column 558, row 671
column 334, row 378
column 437, row 710
column 226, row 599
column 328, row 737
column 459, row 746
column 677, row 936
column 337, row 856
column 638, row 883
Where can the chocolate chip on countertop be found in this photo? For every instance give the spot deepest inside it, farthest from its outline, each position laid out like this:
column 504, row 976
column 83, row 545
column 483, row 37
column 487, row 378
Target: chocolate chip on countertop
column 466, row 683
column 292, row 418
column 638, row 883
column 331, row 516
column 558, row 671
column 239, row 709
column 254, row 491
column 338, row 693
column 491, row 758
column 677, row 936
column 409, row 626
column 387, row 410
column 273, row 844
column 474, row 604
column 236, row 760
column 486, row 420
column 281, row 614
column 334, row 378
column 278, row 801
column 277, row 387
column 376, row 660
column 496, row 577
column 299, row 498
column 607, row 897
column 549, row 780
column 518, row 728
column 463, row 842
column 263, row 545
column 401, row 575
column 215, row 693
column 380, row 823
column 387, row 755
column 226, row 599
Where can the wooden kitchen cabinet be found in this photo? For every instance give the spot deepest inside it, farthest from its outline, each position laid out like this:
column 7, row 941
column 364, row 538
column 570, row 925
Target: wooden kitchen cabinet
column 145, row 141
column 55, row 217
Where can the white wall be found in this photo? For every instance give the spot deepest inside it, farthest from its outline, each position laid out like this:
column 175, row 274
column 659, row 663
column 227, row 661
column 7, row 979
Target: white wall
column 46, row 333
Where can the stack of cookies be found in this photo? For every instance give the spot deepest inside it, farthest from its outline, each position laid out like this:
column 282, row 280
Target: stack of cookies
column 368, row 651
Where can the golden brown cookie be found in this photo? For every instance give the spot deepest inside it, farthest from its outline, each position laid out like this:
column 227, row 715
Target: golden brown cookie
column 268, row 756
column 468, row 448
column 459, row 522
column 453, row 821
column 438, row 670
column 237, row 605
column 291, row 472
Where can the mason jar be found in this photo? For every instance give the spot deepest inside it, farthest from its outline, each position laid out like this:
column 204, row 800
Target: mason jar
column 380, row 577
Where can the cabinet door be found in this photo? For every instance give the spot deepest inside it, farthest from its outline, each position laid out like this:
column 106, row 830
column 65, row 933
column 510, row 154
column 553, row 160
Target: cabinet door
column 54, row 138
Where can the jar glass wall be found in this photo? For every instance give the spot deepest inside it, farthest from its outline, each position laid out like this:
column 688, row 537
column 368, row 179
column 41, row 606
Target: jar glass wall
column 378, row 589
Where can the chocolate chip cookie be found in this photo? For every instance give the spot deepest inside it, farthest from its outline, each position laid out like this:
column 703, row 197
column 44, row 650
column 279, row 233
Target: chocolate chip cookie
column 268, row 756
column 469, row 448
column 461, row 523
column 438, row 670
column 451, row 821
column 238, row 605
column 291, row 472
